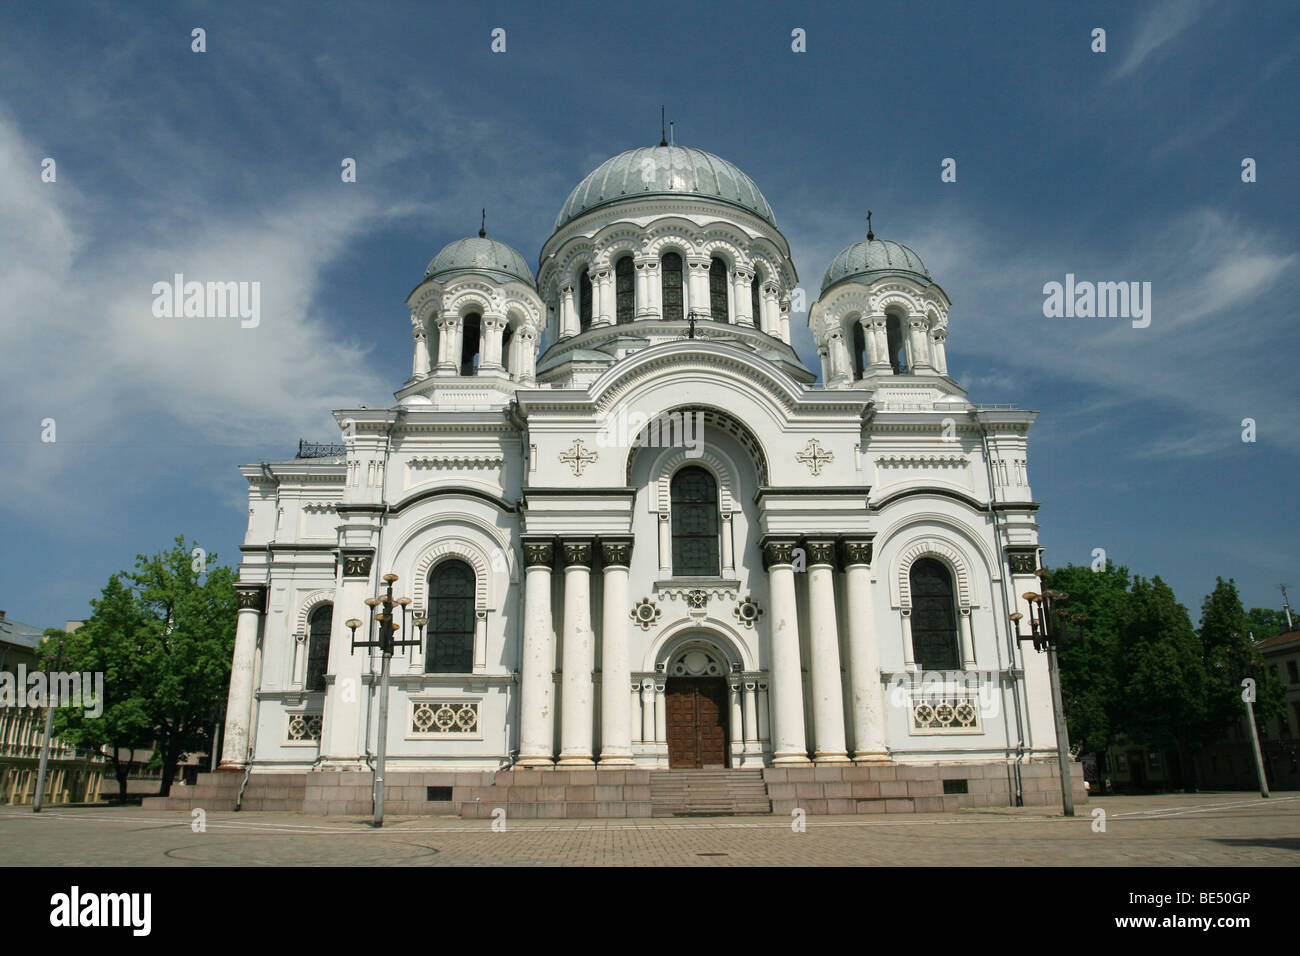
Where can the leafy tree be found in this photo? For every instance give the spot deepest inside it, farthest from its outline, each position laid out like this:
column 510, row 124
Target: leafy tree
column 1265, row 622
column 163, row 635
column 1162, row 676
column 1089, row 683
column 104, row 644
column 1230, row 657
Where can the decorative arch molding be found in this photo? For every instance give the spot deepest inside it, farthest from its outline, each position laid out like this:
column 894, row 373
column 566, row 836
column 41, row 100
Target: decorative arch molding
column 671, row 459
column 466, row 301
column 453, row 548
column 727, row 423
column 308, row 604
column 948, row 555
column 675, row 638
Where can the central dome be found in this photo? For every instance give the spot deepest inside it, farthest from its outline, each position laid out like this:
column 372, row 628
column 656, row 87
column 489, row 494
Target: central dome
column 664, row 171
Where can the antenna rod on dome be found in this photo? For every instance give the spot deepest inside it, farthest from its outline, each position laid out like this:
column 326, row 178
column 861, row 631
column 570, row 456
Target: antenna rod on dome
column 870, row 235
column 482, row 228
column 663, row 140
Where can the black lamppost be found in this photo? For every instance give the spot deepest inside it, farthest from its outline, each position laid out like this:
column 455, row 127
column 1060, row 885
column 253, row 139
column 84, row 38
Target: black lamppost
column 1049, row 625
column 385, row 641
column 51, row 665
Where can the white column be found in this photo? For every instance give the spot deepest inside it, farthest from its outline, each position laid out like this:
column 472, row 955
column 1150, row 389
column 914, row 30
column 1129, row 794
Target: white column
column 568, row 313
column 616, row 671
column 346, row 698
column 937, row 339
column 251, row 600
column 634, row 712
column 661, row 713
column 919, row 341
column 789, row 744
column 824, row 651
column 536, row 684
column 771, row 310
column 648, row 711
column 741, row 296
column 649, row 307
column 909, row 655
column 490, row 349
column 784, row 308
column 665, row 545
column 841, row 368
column 448, row 345
column 967, row 640
column 737, row 723
column 869, row 340
column 697, row 285
column 764, row 724
column 751, row 717
column 866, row 692
column 880, row 335
column 728, row 556
column 420, row 361
column 527, row 352
column 576, row 713
column 602, row 290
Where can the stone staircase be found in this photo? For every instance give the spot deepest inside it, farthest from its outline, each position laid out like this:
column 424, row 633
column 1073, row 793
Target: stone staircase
column 708, row 793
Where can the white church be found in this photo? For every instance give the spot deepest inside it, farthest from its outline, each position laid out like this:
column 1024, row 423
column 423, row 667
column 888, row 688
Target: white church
column 638, row 534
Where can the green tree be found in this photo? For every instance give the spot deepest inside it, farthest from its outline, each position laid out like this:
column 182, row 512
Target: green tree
column 1230, row 657
column 163, row 635
column 1262, row 622
column 1089, row 682
column 1161, row 675
column 105, row 644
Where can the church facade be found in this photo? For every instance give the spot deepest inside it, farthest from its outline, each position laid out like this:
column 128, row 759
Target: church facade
column 636, row 531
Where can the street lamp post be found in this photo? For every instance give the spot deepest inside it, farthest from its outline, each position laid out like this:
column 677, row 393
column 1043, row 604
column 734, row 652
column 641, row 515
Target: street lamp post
column 57, row 662
column 1048, row 627
column 385, row 641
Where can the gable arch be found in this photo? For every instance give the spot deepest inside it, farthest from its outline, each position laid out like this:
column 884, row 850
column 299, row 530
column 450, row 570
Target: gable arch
column 673, row 459
column 946, row 554
column 309, row 603
column 447, row 549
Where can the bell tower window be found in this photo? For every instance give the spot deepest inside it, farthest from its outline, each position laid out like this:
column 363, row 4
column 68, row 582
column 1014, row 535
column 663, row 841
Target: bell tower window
column 717, row 290
column 859, row 348
column 624, row 290
column 584, row 301
column 897, row 353
column 756, row 300
column 672, row 287
column 471, row 335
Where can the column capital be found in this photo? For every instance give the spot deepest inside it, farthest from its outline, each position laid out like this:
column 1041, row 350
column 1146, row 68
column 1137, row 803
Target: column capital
column 250, row 597
column 820, row 551
column 539, row 552
column 855, row 551
column 616, row 552
column 356, row 562
column 576, row 553
column 777, row 551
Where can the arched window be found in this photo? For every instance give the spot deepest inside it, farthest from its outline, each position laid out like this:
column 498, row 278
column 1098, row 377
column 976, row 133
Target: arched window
column 756, row 299
column 318, row 647
column 584, row 301
column 672, row 287
column 859, row 349
column 624, row 290
column 717, row 290
column 449, row 645
column 506, row 336
column 470, row 335
column 695, row 522
column 934, row 617
column 897, row 354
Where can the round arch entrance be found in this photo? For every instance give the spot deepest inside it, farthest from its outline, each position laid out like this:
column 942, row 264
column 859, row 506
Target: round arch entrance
column 698, row 717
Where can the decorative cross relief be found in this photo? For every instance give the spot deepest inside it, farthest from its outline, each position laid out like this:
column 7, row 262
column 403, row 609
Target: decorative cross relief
column 577, row 457
column 814, row 456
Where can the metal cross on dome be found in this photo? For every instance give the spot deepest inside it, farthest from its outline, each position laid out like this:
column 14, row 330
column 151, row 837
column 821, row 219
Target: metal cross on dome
column 577, row 457
column 814, row 456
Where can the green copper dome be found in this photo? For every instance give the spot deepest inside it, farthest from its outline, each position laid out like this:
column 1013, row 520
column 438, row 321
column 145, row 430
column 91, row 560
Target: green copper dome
column 873, row 258
column 479, row 254
column 664, row 171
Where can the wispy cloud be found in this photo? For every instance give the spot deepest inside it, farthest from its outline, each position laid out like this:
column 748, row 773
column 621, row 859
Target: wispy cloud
column 1155, row 28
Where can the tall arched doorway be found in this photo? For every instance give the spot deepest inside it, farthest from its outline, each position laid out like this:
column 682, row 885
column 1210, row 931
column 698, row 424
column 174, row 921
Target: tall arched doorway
column 697, row 713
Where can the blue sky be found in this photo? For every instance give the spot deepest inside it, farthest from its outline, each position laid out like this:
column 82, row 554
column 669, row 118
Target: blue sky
column 1117, row 166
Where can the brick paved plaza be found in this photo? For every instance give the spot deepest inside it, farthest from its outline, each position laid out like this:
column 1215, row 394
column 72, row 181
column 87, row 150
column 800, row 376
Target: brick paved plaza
column 1224, row 829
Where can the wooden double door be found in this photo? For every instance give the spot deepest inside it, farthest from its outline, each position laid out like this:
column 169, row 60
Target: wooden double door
column 697, row 722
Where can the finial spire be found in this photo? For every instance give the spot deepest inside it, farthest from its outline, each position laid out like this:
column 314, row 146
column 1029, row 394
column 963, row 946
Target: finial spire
column 482, row 229
column 663, row 139
column 870, row 235
column 672, row 140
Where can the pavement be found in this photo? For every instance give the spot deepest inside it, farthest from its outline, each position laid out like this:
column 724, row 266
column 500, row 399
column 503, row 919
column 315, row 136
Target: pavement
column 1204, row 829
